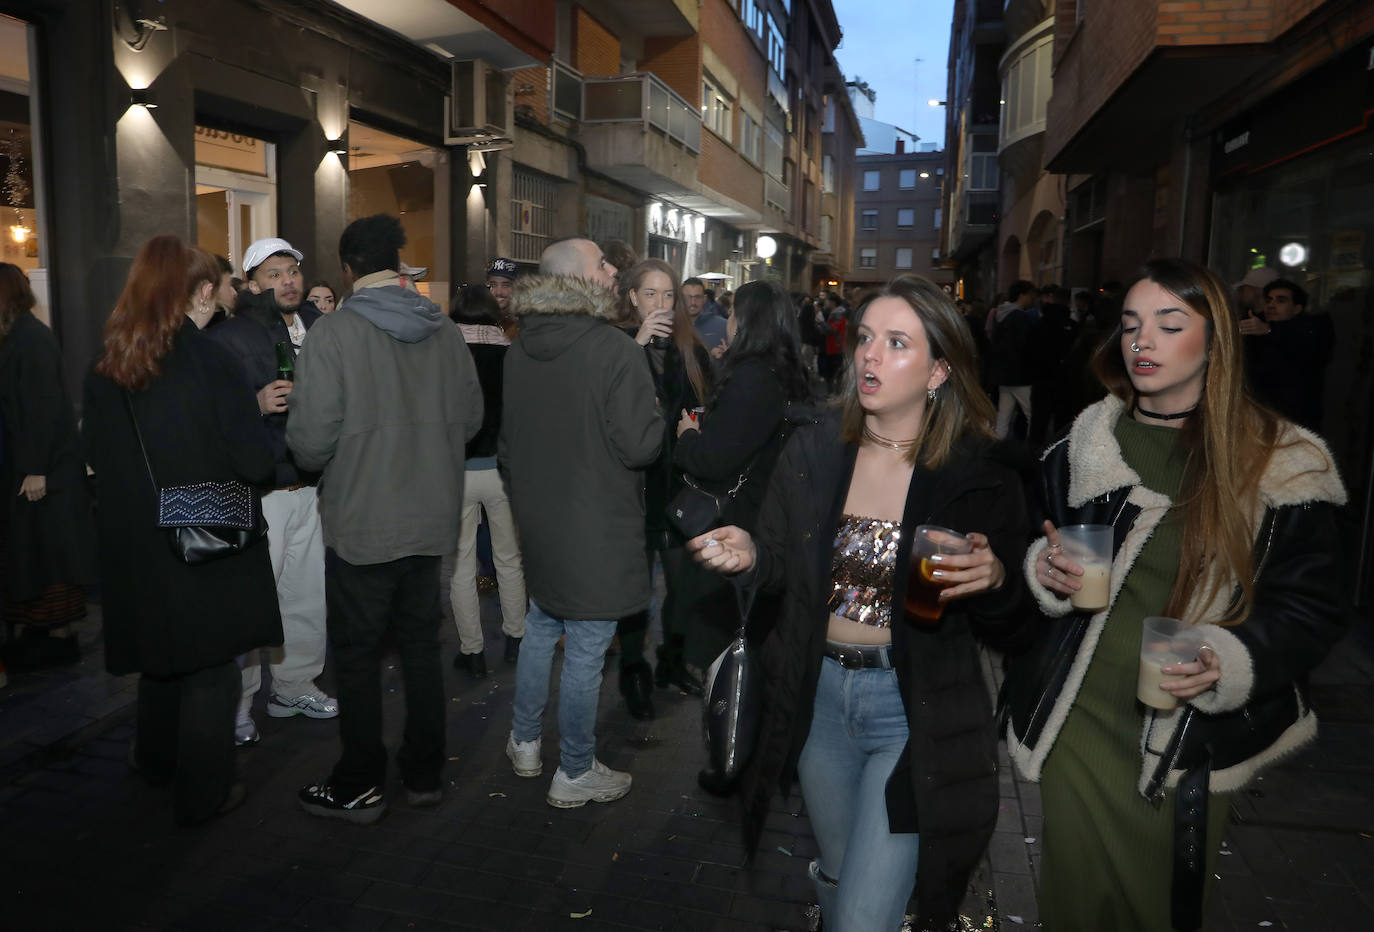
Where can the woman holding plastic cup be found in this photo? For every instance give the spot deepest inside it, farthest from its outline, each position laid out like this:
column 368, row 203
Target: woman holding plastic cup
column 884, row 717
column 1225, row 590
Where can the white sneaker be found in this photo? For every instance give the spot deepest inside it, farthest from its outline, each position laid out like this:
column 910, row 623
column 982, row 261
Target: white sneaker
column 245, row 732
column 524, row 756
column 310, row 702
column 600, row 784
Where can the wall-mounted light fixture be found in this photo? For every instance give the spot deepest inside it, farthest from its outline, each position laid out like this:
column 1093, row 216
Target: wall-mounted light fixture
column 937, row 103
column 142, row 97
column 20, row 233
column 925, row 174
column 338, row 147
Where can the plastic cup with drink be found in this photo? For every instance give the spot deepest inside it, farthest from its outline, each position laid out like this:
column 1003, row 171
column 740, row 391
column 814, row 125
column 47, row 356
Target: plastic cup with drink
column 1090, row 546
column 1164, row 641
column 923, row 605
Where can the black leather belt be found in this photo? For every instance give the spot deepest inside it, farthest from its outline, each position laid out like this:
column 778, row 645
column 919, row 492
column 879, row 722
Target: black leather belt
column 860, row 656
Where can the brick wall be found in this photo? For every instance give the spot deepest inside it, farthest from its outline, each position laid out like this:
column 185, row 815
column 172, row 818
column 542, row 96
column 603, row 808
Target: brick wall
column 531, row 88
column 1228, row 22
column 725, row 170
column 722, row 167
column 595, row 50
column 677, row 62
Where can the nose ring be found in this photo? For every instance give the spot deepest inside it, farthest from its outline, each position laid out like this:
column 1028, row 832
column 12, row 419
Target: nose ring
column 1134, row 348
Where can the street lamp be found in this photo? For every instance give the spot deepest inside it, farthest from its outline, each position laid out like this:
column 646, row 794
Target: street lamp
column 937, row 103
column 766, row 247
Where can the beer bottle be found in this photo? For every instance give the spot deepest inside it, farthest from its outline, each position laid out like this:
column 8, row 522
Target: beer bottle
column 286, row 361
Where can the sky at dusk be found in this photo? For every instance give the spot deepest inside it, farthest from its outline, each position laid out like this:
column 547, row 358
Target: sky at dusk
column 882, row 40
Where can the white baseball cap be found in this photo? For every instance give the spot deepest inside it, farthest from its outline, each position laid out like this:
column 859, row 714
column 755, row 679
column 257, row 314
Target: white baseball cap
column 1258, row 278
column 258, row 253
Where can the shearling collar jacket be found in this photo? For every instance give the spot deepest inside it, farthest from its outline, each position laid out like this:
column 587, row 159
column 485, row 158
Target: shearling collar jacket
column 1258, row 713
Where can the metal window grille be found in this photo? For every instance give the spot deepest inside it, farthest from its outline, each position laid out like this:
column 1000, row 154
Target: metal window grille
column 531, row 215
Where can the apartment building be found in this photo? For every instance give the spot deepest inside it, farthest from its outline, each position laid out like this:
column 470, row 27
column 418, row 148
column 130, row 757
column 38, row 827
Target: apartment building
column 898, row 215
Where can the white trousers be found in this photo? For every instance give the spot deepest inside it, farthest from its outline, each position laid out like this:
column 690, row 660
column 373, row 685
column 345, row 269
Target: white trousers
column 1009, row 398
column 483, row 488
column 297, row 548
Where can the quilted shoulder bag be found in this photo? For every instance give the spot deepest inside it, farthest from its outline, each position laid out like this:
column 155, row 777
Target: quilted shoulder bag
column 694, row 510
column 205, row 521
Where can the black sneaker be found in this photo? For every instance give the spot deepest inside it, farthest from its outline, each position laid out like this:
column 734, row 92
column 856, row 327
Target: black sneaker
column 323, row 800
column 512, row 649
column 475, row 665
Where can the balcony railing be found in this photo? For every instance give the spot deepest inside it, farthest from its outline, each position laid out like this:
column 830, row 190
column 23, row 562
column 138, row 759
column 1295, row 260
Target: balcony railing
column 776, row 193
column 642, row 98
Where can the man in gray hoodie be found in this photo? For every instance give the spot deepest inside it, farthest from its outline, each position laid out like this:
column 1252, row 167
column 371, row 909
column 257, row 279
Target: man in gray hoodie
column 578, row 426
column 385, row 400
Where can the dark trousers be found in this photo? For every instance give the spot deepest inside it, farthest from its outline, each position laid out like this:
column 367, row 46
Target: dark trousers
column 363, row 602
column 186, row 735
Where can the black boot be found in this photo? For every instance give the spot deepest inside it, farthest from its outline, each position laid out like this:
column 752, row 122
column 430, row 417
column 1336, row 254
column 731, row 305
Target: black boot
column 637, row 685
column 474, row 664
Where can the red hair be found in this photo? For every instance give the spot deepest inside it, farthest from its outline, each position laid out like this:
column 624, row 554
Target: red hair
column 165, row 274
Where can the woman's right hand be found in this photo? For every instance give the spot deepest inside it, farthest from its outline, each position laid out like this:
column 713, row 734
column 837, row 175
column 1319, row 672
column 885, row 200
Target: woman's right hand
column 656, row 324
column 1055, row 571
column 726, row 550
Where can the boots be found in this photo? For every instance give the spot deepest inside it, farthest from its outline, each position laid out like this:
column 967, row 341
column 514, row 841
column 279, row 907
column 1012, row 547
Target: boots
column 637, row 685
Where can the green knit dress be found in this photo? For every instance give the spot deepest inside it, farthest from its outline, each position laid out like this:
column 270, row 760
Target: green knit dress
column 1108, row 853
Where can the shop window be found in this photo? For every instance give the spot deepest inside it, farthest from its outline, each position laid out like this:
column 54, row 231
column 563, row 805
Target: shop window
column 23, row 238
column 236, row 192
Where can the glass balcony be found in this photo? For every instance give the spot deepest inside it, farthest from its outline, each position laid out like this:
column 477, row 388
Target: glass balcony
column 642, row 98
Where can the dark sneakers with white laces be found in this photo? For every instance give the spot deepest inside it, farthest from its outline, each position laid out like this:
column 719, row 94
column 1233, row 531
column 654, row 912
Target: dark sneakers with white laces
column 328, row 802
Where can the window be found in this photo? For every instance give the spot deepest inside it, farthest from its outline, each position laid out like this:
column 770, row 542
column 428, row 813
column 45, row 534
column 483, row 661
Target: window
column 935, row 255
column 939, row 211
column 772, row 149
column 829, row 126
column 750, row 138
column 827, row 225
column 755, row 18
column 828, row 174
column 869, row 220
column 777, row 47
column 906, row 216
column 904, row 257
column 868, row 257
column 870, row 180
column 907, row 179
column 716, row 110
column 982, row 174
column 809, row 131
column 532, row 210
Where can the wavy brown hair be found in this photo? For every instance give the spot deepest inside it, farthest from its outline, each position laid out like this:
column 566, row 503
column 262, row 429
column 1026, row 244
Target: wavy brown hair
column 684, row 331
column 16, row 296
column 165, row 274
column 961, row 408
column 1228, row 442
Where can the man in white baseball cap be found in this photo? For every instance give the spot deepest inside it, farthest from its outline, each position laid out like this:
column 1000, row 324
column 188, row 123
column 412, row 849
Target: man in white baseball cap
column 1250, row 291
column 266, row 332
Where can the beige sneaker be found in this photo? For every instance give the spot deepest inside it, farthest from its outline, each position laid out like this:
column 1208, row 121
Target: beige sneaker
column 600, row 784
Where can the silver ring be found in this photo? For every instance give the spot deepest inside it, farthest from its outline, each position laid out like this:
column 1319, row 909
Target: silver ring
column 1134, row 348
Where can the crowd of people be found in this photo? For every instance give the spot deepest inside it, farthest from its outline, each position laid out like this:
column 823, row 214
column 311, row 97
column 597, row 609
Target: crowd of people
column 881, row 523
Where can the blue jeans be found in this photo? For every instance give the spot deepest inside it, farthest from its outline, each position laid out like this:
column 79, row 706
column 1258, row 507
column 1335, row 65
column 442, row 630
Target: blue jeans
column 579, row 689
column 858, row 733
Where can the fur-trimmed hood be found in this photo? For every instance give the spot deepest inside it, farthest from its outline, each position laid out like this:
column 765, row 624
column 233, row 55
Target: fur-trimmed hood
column 556, row 311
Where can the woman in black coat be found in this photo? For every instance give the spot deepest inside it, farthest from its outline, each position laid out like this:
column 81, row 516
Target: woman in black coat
column 180, row 626
column 736, row 443
column 655, row 314
column 885, row 719
column 45, row 520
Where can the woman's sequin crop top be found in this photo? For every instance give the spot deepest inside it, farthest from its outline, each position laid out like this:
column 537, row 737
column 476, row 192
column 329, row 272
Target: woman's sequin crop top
column 861, row 572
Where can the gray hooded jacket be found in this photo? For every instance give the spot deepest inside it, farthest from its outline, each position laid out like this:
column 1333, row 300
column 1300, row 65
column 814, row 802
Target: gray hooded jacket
column 386, row 398
column 578, row 426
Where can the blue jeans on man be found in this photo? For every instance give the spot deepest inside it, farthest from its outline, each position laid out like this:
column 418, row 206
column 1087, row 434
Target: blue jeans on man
column 579, row 690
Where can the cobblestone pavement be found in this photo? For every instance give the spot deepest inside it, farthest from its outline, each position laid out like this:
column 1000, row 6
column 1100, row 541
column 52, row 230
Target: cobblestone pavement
column 86, row 845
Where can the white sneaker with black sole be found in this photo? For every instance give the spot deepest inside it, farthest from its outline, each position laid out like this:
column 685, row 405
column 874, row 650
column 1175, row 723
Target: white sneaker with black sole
column 524, row 756
column 600, row 784
column 245, row 732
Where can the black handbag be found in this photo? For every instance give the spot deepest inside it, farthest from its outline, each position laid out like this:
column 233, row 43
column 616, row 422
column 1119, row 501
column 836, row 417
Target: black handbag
column 694, row 511
column 205, row 521
column 733, row 703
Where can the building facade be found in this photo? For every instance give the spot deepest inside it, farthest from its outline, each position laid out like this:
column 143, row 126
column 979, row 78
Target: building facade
column 898, row 213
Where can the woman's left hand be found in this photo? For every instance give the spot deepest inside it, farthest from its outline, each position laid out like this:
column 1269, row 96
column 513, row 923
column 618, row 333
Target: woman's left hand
column 969, row 573
column 1192, row 679
column 686, row 423
column 34, row 488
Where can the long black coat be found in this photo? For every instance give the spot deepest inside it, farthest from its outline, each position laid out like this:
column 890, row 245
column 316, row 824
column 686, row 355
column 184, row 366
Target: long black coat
column 50, row 541
column 945, row 785
column 199, row 422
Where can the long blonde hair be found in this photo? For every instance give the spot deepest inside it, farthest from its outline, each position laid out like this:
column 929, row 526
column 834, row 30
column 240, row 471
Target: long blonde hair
column 684, row 331
column 1228, row 442
column 960, row 406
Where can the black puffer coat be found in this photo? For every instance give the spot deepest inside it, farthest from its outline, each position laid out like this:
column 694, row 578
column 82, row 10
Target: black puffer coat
column 945, row 785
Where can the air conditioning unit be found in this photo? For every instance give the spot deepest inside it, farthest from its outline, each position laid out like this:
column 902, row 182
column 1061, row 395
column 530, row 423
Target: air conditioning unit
column 477, row 111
